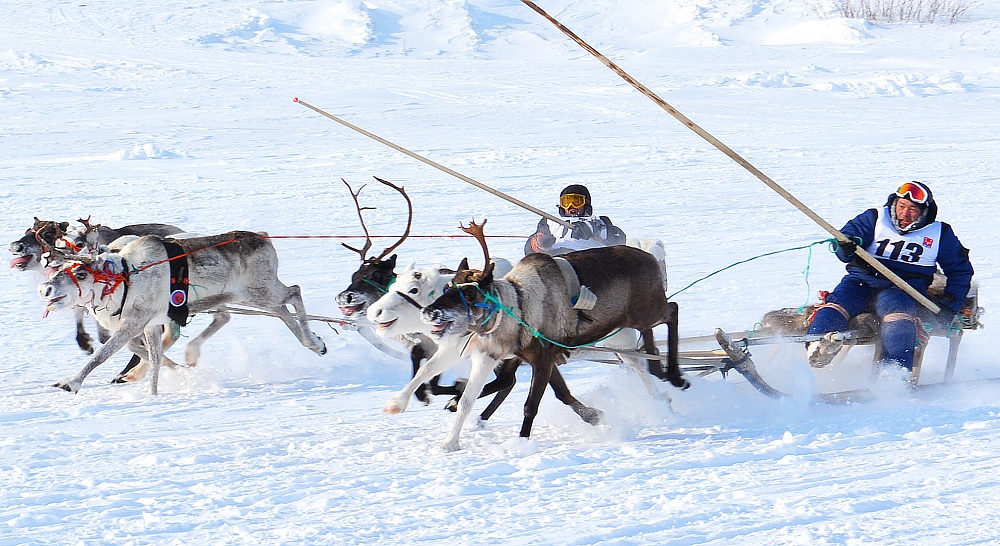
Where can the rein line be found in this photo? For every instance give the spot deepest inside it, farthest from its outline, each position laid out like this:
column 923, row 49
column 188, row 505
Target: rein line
column 496, row 304
column 834, row 246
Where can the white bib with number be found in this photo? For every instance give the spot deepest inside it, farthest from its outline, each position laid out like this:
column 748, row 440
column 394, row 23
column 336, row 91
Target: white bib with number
column 918, row 247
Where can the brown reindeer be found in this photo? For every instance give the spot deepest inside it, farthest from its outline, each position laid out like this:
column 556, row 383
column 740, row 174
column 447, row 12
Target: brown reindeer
column 529, row 313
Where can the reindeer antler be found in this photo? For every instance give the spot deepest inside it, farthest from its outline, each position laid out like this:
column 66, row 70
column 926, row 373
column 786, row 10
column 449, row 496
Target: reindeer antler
column 40, row 232
column 368, row 239
column 476, row 230
column 87, row 227
column 409, row 218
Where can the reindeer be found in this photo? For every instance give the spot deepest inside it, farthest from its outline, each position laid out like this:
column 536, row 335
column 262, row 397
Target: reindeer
column 47, row 234
column 397, row 314
column 370, row 282
column 543, row 325
column 129, row 291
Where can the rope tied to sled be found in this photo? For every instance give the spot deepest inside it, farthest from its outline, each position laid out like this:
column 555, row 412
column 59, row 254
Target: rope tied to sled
column 834, row 246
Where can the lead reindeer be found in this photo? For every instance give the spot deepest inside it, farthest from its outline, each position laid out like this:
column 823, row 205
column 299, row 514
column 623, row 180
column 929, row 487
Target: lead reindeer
column 129, row 292
column 543, row 323
column 370, row 282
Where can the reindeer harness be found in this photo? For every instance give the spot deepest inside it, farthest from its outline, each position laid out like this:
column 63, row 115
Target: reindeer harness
column 179, row 282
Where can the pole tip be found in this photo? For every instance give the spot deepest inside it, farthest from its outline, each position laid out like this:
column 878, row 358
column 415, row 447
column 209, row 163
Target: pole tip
column 296, row 99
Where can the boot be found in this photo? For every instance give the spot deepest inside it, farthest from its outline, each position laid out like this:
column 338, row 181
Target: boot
column 822, row 351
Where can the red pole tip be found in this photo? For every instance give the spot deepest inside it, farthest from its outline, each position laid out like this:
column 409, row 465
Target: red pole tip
column 296, row 99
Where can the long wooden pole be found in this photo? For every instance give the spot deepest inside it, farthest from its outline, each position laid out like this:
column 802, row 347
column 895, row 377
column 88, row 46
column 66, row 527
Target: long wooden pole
column 436, row 165
column 739, row 159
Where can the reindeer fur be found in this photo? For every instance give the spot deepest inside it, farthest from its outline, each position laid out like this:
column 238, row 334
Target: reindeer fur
column 232, row 268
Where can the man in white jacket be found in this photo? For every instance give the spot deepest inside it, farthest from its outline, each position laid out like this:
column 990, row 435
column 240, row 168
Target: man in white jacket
column 588, row 230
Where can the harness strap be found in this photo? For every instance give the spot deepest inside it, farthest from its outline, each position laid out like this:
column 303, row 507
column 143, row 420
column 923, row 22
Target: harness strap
column 581, row 296
column 126, row 274
column 837, row 307
column 179, row 282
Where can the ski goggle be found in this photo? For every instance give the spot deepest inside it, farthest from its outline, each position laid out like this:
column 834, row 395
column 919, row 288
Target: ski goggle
column 572, row 201
column 914, row 192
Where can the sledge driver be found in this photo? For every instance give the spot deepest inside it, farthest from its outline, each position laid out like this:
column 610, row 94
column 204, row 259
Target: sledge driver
column 905, row 236
column 588, row 231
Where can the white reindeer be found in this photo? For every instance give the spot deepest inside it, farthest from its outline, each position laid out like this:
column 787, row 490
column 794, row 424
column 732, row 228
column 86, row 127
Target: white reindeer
column 129, row 292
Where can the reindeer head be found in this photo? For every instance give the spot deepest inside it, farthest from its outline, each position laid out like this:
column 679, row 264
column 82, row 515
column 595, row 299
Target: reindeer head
column 79, row 280
column 373, row 278
column 398, row 311
column 463, row 305
column 42, row 236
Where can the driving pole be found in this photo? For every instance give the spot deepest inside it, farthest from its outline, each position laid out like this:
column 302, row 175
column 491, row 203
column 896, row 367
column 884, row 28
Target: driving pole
column 436, row 165
column 739, row 159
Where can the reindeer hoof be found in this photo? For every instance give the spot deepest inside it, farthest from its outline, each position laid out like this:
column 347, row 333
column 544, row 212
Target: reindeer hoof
column 392, row 409
column 680, row 382
column 67, row 386
column 591, row 416
column 452, row 404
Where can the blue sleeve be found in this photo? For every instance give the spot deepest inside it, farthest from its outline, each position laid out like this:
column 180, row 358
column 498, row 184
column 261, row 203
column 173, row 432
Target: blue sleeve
column 954, row 261
column 861, row 229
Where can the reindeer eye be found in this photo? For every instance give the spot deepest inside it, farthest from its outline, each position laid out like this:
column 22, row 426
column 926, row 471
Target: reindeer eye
column 80, row 274
column 414, row 290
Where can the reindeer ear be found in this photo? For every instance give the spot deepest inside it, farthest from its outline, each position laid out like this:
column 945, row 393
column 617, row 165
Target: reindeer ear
column 63, row 226
column 392, row 261
column 464, row 266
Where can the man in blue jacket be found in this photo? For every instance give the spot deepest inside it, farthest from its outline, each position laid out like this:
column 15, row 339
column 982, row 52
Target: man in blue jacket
column 904, row 236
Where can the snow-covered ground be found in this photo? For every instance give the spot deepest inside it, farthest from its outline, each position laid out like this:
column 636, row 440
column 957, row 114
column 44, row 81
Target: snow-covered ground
column 182, row 113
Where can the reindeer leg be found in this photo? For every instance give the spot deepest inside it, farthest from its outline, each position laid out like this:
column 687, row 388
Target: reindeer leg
column 589, row 415
column 541, row 371
column 439, row 362
column 417, row 354
column 674, row 374
column 83, row 339
column 126, row 376
column 124, row 334
column 504, row 383
column 137, row 368
column 482, row 365
column 193, row 350
column 154, row 353
column 299, row 325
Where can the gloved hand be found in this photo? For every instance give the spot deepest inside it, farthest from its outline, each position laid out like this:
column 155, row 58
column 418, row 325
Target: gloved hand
column 581, row 230
column 541, row 242
column 848, row 249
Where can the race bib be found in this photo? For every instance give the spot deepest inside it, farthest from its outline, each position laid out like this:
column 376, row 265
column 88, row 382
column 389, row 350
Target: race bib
column 918, row 247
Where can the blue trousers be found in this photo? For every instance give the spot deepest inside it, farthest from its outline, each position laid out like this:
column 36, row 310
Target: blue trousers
column 860, row 293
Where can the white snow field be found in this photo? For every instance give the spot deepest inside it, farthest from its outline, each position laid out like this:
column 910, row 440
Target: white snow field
column 182, row 113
